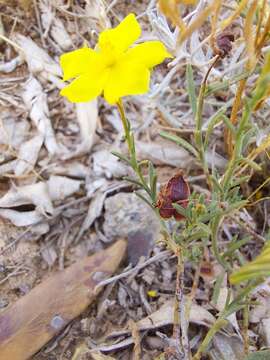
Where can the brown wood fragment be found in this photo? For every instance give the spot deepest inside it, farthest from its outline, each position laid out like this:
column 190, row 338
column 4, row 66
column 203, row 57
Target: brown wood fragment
column 34, row 319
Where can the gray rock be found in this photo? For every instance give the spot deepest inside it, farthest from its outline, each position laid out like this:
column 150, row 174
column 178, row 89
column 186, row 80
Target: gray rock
column 127, row 216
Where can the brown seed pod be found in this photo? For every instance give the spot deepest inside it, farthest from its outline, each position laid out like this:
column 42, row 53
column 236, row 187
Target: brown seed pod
column 224, row 43
column 176, row 190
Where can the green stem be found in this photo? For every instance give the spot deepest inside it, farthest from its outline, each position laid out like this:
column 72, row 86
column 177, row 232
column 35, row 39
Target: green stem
column 198, row 124
column 237, row 151
column 215, row 227
column 126, row 127
column 245, row 328
column 219, row 324
column 232, row 307
column 131, row 146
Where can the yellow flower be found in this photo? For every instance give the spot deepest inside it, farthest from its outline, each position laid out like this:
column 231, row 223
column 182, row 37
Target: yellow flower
column 152, row 293
column 114, row 69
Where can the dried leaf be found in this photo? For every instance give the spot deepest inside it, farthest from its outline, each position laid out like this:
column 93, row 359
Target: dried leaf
column 249, row 36
column 54, row 26
column 34, row 319
column 198, row 315
column 21, row 218
column 164, row 153
column 196, row 23
column 105, row 163
column 221, row 302
column 94, row 211
column 28, row 155
column 226, row 347
column 12, row 132
column 49, row 255
column 96, row 355
column 261, row 310
column 171, row 9
column 36, row 194
column 87, row 116
column 165, row 316
column 11, row 65
column 60, row 187
column 35, row 100
column 40, row 194
column 72, row 169
column 96, row 16
column 37, row 59
column 225, row 23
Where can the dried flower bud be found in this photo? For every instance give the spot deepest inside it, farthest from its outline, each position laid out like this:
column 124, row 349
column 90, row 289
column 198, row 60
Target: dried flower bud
column 224, row 43
column 176, row 190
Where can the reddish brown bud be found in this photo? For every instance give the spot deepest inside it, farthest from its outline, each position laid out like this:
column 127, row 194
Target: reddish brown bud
column 224, row 43
column 176, row 190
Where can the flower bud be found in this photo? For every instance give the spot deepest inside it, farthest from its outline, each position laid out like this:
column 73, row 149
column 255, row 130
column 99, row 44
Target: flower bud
column 176, row 190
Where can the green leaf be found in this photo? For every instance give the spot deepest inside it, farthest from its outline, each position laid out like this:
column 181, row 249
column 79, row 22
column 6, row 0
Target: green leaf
column 252, row 164
column 229, row 124
column 152, row 180
column 133, row 181
column 240, row 180
column 197, row 235
column 216, row 184
column 121, row 157
column 144, row 199
column 191, row 89
column 179, row 141
column 215, row 86
column 235, row 206
column 235, row 246
column 217, row 287
column 181, row 210
column 204, row 228
column 211, row 124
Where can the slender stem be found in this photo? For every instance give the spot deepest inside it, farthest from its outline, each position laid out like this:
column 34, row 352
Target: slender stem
column 198, row 124
column 245, row 328
column 215, row 228
column 219, row 324
column 126, row 125
column 131, row 146
column 178, row 299
column 235, row 305
column 179, row 346
column 181, row 304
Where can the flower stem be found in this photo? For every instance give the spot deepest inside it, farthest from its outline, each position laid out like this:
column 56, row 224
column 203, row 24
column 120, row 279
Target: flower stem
column 126, row 125
column 131, row 147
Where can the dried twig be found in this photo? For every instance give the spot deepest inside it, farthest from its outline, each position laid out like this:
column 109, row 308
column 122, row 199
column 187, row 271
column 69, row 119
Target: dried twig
column 159, row 257
column 179, row 347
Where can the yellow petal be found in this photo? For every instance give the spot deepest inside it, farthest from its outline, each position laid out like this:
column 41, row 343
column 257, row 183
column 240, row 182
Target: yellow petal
column 126, row 78
column 150, row 53
column 86, row 87
column 122, row 36
column 78, row 62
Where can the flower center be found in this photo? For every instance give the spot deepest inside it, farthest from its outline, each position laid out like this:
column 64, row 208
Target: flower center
column 110, row 54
